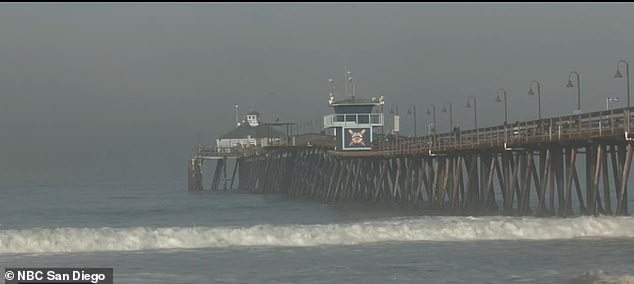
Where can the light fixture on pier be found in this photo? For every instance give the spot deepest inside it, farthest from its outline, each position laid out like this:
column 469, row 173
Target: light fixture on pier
column 444, row 110
column 498, row 100
column 475, row 114
column 433, row 112
column 627, row 74
column 539, row 99
column 570, row 85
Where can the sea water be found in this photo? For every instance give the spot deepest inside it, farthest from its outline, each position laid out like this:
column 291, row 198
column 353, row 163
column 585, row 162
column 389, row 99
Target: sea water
column 160, row 233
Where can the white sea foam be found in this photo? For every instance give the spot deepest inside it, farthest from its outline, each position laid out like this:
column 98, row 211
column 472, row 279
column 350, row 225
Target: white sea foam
column 600, row 277
column 42, row 240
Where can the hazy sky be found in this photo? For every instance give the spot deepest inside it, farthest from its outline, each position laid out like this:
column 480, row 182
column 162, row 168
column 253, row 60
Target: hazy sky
column 121, row 92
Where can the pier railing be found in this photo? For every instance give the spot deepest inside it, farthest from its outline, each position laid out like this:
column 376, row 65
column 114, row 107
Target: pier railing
column 565, row 128
column 210, row 152
column 601, row 124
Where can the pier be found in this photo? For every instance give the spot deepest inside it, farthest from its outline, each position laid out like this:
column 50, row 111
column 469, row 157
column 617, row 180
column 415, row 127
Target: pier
column 563, row 166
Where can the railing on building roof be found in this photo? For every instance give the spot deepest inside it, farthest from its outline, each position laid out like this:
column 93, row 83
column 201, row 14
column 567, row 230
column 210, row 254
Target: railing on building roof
column 353, row 119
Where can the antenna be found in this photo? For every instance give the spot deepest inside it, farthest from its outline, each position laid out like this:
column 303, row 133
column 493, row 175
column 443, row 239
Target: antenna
column 332, row 86
column 349, row 79
column 345, row 80
column 332, row 90
column 352, row 86
column 237, row 122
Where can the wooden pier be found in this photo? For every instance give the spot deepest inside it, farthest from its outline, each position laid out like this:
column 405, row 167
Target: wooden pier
column 569, row 165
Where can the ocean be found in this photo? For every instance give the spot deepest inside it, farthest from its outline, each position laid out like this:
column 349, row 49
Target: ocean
column 160, row 233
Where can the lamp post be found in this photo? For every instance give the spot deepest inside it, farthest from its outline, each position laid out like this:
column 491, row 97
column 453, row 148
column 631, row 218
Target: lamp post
column 497, row 99
column 475, row 115
column 539, row 99
column 409, row 111
column 349, row 83
column 570, row 85
column 382, row 125
column 627, row 74
column 332, row 86
column 444, row 109
column 434, row 113
column 345, row 81
column 236, row 107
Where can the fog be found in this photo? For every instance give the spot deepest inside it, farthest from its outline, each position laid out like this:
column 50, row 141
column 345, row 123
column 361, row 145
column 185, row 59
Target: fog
column 121, row 92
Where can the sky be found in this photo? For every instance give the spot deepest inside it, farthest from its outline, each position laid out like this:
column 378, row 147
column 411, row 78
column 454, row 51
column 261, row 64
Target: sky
column 121, row 92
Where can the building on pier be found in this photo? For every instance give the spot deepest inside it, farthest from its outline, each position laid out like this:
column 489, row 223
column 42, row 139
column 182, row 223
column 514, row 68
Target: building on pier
column 249, row 133
column 354, row 121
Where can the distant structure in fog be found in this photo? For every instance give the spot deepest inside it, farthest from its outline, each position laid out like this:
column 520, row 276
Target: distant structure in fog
column 252, row 132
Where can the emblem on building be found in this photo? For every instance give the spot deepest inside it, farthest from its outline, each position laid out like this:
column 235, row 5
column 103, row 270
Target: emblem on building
column 356, row 137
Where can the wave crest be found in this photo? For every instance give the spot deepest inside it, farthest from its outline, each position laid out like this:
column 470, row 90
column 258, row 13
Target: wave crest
column 600, row 277
column 42, row 240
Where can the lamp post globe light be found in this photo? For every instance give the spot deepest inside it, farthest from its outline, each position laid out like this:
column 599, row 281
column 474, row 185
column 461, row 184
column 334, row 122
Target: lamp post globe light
column 570, row 85
column 475, row 114
column 627, row 76
column 497, row 99
column 444, row 109
column 539, row 99
column 432, row 112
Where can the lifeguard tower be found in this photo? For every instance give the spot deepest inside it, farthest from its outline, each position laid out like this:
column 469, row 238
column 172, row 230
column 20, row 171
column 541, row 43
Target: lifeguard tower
column 354, row 120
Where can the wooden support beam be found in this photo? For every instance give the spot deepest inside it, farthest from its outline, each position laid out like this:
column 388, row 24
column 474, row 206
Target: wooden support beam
column 507, row 158
column 575, row 178
column 571, row 156
column 514, row 164
column 606, row 182
column 489, row 200
column 560, row 178
column 622, row 200
column 430, row 181
column 596, row 201
column 436, row 185
column 545, row 170
column 333, row 178
column 524, row 198
column 419, row 168
column 460, row 189
column 590, row 163
column 500, row 175
column 536, row 179
column 382, row 179
column 233, row 175
column 445, row 181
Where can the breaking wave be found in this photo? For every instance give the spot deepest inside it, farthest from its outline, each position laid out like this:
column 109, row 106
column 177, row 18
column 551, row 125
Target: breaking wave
column 600, row 277
column 43, row 240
